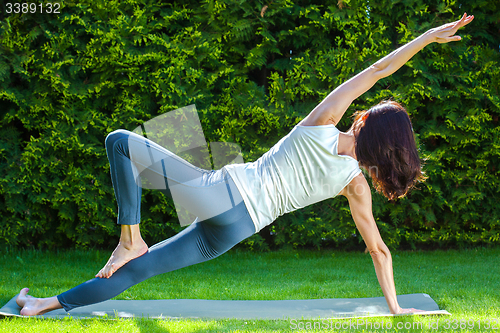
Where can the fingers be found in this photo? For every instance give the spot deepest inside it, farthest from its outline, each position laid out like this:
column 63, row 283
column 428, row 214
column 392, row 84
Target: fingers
column 446, row 32
column 416, row 310
column 466, row 19
column 458, row 23
column 463, row 18
column 461, row 23
column 454, row 26
column 412, row 310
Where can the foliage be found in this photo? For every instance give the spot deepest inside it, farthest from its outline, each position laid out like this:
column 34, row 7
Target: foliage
column 69, row 79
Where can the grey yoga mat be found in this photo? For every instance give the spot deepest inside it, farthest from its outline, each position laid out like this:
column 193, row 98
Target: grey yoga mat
column 200, row 308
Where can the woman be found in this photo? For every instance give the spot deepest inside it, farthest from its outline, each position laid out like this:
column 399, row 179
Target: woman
column 313, row 162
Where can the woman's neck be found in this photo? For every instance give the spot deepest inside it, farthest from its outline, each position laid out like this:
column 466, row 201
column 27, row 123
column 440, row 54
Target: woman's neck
column 347, row 144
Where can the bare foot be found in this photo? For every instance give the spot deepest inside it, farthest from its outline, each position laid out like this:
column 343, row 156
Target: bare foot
column 32, row 306
column 124, row 252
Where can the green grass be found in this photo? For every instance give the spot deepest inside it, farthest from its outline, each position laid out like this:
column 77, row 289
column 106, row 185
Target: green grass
column 463, row 282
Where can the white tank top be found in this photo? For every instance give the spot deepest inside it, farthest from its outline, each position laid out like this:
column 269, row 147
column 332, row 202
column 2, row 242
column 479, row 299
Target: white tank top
column 301, row 169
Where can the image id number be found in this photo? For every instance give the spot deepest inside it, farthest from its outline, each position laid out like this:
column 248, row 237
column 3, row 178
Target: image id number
column 485, row 324
column 25, row 8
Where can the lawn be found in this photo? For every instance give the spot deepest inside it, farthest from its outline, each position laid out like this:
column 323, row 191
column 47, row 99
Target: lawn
column 463, row 282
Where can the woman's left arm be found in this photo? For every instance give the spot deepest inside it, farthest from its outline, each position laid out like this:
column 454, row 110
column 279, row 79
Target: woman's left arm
column 360, row 201
column 333, row 107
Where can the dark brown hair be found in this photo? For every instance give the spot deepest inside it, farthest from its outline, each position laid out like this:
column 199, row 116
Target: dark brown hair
column 385, row 147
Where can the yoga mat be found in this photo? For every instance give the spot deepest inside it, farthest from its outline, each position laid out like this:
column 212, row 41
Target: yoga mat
column 200, row 308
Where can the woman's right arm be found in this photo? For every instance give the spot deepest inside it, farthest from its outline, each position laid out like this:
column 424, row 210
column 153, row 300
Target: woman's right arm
column 333, row 107
column 360, row 201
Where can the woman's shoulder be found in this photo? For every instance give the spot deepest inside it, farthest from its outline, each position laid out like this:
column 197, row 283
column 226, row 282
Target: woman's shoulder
column 357, row 187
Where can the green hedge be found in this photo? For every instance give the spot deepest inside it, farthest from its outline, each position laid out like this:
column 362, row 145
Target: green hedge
column 68, row 79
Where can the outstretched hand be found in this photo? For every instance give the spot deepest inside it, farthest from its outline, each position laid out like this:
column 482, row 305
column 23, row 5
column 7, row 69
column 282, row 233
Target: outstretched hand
column 446, row 32
column 409, row 311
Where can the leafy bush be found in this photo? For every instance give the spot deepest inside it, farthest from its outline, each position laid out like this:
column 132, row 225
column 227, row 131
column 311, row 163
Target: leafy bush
column 69, row 79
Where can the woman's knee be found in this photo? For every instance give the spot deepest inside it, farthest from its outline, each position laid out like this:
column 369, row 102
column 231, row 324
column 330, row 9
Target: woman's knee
column 114, row 136
column 220, row 239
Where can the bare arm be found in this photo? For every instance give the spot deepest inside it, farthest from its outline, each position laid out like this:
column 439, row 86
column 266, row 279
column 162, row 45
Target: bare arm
column 360, row 201
column 333, row 107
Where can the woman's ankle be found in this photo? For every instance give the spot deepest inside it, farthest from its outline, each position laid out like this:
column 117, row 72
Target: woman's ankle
column 130, row 235
column 52, row 303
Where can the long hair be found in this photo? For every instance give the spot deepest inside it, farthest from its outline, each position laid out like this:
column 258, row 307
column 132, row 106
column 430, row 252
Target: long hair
column 386, row 148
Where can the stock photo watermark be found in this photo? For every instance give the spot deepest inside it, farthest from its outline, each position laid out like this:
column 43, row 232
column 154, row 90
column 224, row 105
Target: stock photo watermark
column 490, row 324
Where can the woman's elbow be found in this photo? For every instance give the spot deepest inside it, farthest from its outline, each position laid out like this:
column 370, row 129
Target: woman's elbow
column 380, row 253
column 378, row 71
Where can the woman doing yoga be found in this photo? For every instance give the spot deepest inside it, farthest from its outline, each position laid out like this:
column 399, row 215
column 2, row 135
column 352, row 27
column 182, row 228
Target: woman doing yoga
column 315, row 161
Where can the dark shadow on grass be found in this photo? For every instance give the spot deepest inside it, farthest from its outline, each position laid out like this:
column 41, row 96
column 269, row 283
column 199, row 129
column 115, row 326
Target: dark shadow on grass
column 222, row 325
column 154, row 326
column 150, row 325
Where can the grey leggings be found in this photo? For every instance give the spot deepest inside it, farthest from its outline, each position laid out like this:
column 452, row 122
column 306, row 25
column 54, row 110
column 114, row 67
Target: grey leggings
column 201, row 241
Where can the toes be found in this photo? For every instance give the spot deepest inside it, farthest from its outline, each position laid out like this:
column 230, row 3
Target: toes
column 105, row 272
column 111, row 270
column 24, row 292
column 22, row 298
column 102, row 273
